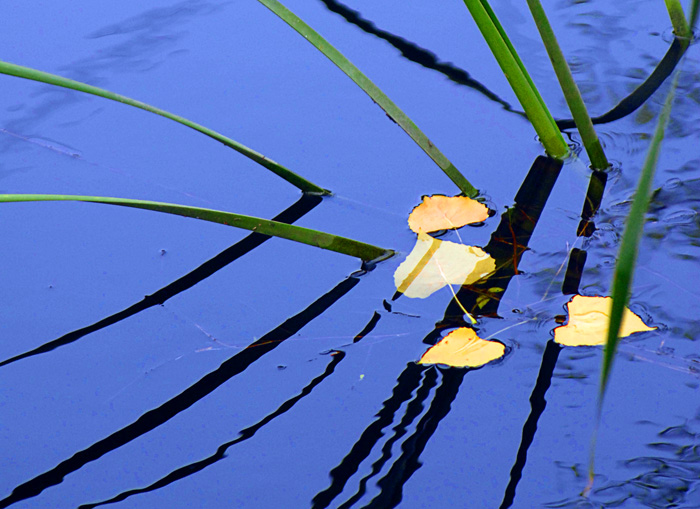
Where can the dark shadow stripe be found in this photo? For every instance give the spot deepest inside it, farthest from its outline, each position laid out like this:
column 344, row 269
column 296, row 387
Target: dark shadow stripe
column 369, row 327
column 409, row 381
column 429, row 60
column 244, row 246
column 537, row 404
column 640, row 94
column 586, row 227
column 415, row 53
column 205, row 386
column 220, row 454
column 591, row 204
column 413, row 410
column 507, row 244
column 406, row 465
column 574, row 272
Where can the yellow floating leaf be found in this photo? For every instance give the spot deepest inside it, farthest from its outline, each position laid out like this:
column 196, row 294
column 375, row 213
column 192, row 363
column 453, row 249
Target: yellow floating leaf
column 588, row 322
column 436, row 263
column 445, row 213
column 462, row 348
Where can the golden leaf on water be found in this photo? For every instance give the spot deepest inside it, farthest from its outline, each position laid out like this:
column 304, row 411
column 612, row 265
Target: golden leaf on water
column 445, row 213
column 462, row 348
column 588, row 322
column 435, row 263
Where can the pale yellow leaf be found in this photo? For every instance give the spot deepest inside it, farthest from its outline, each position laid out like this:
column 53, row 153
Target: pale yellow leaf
column 463, row 348
column 588, row 322
column 435, row 263
column 445, row 213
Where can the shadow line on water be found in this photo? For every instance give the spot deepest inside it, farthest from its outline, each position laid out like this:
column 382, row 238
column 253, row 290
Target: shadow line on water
column 220, row 453
column 405, row 466
column 570, row 285
column 200, row 389
column 537, row 404
column 244, row 434
column 642, row 93
column 407, row 383
column 416, row 54
column 507, row 244
column 293, row 213
column 429, row 60
column 413, row 410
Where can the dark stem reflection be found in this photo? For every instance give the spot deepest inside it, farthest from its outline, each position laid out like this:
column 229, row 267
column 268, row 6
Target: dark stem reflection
column 507, row 244
column 293, row 213
column 200, row 389
column 537, row 405
column 572, row 280
column 243, row 435
column 415, row 53
column 429, row 60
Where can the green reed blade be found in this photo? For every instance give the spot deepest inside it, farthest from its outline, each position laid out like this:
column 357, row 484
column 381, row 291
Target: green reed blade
column 506, row 39
column 680, row 25
column 569, row 87
column 386, row 104
column 315, row 238
column 519, row 79
column 693, row 18
column 52, row 79
column 626, row 260
column 629, row 245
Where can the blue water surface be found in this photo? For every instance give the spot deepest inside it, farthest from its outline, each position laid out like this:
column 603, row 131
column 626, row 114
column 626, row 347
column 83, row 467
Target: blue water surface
column 169, row 406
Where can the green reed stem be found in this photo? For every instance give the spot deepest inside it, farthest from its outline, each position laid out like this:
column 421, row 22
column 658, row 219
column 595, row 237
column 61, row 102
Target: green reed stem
column 693, row 14
column 680, row 25
column 52, row 79
column 629, row 245
column 386, row 104
column 518, row 77
column 626, row 260
column 366, row 252
column 569, row 87
column 511, row 48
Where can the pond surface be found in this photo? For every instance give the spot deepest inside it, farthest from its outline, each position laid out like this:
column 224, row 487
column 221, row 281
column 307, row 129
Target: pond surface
column 162, row 402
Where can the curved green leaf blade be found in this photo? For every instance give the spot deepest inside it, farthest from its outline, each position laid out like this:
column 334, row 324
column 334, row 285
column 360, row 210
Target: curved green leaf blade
column 629, row 246
column 52, row 79
column 372, row 90
column 365, row 252
column 626, row 260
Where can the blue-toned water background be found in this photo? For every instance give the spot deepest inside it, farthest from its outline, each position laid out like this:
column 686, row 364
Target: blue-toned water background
column 237, row 68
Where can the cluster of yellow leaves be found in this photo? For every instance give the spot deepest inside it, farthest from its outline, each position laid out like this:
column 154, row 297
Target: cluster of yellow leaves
column 433, row 263
column 588, row 326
